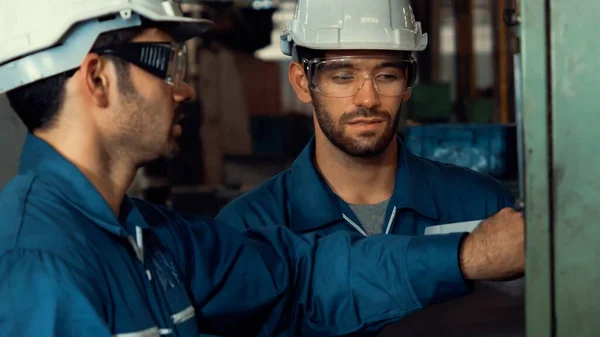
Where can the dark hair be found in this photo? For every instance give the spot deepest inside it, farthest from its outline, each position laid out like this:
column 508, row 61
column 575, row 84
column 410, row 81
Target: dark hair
column 37, row 104
column 301, row 53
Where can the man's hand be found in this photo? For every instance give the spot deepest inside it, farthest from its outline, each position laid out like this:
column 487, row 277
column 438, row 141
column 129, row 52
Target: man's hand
column 495, row 250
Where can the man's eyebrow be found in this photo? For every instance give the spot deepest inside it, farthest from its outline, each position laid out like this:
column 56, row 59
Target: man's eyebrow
column 338, row 66
column 391, row 64
column 332, row 66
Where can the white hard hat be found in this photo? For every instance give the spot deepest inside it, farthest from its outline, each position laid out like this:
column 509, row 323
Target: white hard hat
column 353, row 24
column 43, row 38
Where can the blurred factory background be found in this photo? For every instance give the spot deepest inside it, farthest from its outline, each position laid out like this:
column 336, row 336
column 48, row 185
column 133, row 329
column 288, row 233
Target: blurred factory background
column 247, row 124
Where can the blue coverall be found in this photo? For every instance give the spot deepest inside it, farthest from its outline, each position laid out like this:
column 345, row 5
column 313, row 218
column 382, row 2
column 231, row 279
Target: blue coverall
column 426, row 193
column 70, row 267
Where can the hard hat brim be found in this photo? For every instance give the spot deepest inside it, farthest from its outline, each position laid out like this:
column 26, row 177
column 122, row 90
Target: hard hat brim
column 187, row 28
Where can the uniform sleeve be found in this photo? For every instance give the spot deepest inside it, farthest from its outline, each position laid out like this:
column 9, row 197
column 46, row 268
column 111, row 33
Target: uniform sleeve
column 40, row 296
column 505, row 198
column 231, row 214
column 272, row 282
column 252, row 211
column 498, row 196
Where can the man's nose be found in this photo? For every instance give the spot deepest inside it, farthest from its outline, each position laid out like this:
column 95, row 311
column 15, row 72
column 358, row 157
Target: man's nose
column 367, row 96
column 183, row 93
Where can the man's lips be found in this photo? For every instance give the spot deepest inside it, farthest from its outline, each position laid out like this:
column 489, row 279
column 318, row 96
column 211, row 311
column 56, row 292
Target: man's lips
column 366, row 121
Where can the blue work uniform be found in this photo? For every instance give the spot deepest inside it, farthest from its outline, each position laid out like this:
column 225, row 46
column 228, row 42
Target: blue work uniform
column 70, row 267
column 426, row 193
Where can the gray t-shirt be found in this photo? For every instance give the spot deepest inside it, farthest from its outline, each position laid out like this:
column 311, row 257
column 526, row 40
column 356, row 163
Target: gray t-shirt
column 371, row 217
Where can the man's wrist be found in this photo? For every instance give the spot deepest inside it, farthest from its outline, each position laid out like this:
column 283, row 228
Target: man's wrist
column 467, row 258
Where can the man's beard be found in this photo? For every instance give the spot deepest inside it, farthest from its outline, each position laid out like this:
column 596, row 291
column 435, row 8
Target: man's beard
column 364, row 146
column 143, row 136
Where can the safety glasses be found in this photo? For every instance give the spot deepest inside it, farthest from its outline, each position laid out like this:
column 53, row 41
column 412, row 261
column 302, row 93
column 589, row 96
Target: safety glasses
column 343, row 77
column 164, row 60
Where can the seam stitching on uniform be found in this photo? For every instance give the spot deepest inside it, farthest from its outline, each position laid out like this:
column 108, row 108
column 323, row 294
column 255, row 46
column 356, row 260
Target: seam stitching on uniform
column 413, row 294
column 25, row 204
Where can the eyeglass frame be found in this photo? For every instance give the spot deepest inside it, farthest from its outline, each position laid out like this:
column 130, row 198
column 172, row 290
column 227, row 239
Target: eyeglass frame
column 310, row 63
column 150, row 57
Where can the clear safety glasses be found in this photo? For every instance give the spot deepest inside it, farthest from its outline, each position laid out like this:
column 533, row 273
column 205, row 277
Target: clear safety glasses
column 164, row 60
column 345, row 76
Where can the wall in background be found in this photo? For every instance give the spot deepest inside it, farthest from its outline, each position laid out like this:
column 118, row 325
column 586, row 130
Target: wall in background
column 482, row 39
column 12, row 135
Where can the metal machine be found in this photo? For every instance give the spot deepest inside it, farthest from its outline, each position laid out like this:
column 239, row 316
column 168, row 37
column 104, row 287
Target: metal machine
column 560, row 70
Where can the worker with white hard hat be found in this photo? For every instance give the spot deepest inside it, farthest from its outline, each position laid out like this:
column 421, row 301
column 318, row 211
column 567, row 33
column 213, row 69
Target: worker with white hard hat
column 353, row 61
column 97, row 83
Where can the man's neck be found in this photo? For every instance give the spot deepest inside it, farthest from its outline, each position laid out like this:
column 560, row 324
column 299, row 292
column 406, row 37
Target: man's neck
column 361, row 181
column 111, row 174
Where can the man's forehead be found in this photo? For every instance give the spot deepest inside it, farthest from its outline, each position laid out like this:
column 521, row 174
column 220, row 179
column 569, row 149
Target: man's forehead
column 366, row 53
column 154, row 34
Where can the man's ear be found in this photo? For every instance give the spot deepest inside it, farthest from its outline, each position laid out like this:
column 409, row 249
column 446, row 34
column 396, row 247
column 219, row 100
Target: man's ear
column 406, row 95
column 299, row 82
column 94, row 73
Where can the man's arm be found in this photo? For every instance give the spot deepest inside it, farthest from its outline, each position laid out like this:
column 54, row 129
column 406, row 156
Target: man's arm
column 256, row 209
column 40, row 296
column 272, row 281
column 496, row 248
column 235, row 215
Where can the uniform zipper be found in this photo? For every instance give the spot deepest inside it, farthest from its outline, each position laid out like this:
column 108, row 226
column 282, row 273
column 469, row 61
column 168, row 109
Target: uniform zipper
column 138, row 245
column 391, row 221
column 353, row 224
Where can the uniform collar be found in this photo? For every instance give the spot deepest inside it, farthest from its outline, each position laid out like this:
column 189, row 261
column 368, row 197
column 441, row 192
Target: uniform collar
column 313, row 203
column 50, row 167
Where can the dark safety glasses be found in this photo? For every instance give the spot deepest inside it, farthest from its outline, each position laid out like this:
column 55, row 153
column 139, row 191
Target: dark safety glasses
column 164, row 60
